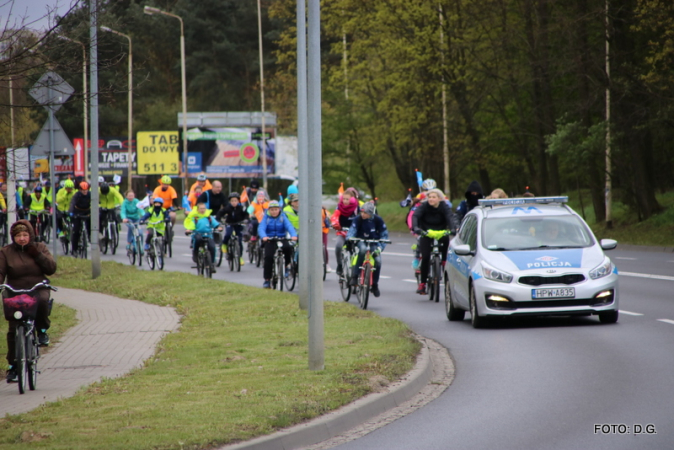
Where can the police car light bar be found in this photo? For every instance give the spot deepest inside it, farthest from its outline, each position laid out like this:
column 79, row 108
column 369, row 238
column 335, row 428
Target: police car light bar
column 522, row 201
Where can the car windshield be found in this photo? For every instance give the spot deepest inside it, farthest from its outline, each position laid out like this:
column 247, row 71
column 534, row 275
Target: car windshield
column 525, row 233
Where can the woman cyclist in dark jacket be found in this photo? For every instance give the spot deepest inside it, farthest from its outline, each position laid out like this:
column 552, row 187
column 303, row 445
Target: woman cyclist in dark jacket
column 433, row 214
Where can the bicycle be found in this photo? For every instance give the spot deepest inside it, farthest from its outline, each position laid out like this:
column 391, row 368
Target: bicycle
column 42, row 226
column 81, row 250
column 67, row 232
column 155, row 254
column 136, row 249
column 218, row 248
column 255, row 251
column 345, row 275
column 365, row 273
column 168, row 235
column 22, row 307
column 233, row 250
column 291, row 279
column 204, row 260
column 278, row 268
column 435, row 270
column 110, row 232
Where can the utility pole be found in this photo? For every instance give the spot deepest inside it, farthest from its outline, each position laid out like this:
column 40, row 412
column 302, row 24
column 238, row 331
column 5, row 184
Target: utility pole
column 93, row 55
column 303, row 144
column 608, row 190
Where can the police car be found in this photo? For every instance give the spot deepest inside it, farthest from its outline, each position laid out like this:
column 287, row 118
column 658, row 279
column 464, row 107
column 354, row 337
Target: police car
column 528, row 256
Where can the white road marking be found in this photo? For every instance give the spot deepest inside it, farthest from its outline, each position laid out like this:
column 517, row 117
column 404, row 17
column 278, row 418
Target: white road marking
column 384, row 276
column 410, row 255
column 646, row 275
column 666, row 321
column 625, row 258
column 670, row 260
column 630, row 313
column 411, row 281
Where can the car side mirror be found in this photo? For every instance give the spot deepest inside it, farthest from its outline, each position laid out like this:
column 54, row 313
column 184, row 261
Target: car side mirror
column 608, row 244
column 463, row 250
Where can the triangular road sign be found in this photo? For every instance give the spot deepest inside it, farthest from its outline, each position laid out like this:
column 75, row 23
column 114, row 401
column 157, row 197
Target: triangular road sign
column 62, row 145
column 60, row 88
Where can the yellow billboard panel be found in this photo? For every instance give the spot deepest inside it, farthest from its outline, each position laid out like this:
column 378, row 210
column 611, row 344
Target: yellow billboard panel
column 157, row 152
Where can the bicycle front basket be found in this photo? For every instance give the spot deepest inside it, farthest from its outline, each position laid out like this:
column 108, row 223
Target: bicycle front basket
column 23, row 302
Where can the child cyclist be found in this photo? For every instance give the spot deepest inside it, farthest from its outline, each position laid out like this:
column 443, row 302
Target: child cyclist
column 233, row 213
column 274, row 224
column 368, row 225
column 199, row 223
column 155, row 218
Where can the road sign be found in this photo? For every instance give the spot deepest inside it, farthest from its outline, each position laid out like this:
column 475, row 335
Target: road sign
column 60, row 91
column 157, row 152
column 62, row 145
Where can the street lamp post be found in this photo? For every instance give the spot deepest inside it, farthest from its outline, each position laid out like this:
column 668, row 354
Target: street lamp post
column 85, row 93
column 130, row 123
column 264, row 146
column 149, row 10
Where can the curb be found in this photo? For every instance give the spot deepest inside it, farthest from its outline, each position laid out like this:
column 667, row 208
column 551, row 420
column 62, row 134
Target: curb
column 337, row 422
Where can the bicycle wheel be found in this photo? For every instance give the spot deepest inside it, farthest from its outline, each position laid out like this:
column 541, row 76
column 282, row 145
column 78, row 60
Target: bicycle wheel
column 65, row 244
column 260, row 255
column 236, row 254
column 159, row 253
column 219, row 254
column 230, row 255
column 364, row 291
column 150, row 258
column 208, row 264
column 84, row 239
column 131, row 254
column 168, row 242
column 291, row 278
column 344, row 286
column 31, row 359
column 325, row 262
column 46, row 232
column 431, row 279
column 139, row 250
column 114, row 235
column 20, row 357
column 436, row 280
column 251, row 253
column 280, row 270
column 103, row 242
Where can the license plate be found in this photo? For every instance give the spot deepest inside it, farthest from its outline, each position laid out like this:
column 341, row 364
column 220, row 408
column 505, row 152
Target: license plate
column 554, row 293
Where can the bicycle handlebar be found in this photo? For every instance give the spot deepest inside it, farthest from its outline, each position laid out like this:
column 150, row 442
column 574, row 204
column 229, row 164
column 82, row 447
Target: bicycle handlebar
column 370, row 241
column 44, row 284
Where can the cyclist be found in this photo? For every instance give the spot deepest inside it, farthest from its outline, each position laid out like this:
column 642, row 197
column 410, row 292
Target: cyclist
column 80, row 211
column 292, row 211
column 169, row 195
column 275, row 224
column 202, row 182
column 214, row 198
column 23, row 264
column 234, row 213
column 347, row 210
column 37, row 204
column 63, row 199
column 433, row 215
column 256, row 212
column 131, row 214
column 473, row 194
column 155, row 218
column 368, row 225
column 110, row 199
column 249, row 194
column 200, row 222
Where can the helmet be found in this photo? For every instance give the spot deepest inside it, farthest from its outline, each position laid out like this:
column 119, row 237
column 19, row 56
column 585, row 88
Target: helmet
column 274, row 204
column 158, row 200
column 68, row 184
column 101, row 180
column 84, row 185
column 428, row 184
column 37, row 189
column 292, row 189
column 47, row 183
column 201, row 177
column 293, row 198
column 166, row 179
column 368, row 208
column 105, row 189
column 62, row 183
column 254, row 184
column 234, row 195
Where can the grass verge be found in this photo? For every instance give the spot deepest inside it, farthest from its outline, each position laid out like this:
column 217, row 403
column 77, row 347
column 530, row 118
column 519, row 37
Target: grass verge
column 236, row 369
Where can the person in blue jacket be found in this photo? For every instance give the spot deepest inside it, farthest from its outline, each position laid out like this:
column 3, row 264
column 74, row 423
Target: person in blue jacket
column 368, row 225
column 275, row 225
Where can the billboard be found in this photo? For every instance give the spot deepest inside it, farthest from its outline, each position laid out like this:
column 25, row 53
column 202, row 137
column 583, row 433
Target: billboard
column 158, row 152
column 231, row 152
column 113, row 156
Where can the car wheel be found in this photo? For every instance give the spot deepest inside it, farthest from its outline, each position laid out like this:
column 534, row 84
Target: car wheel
column 454, row 314
column 476, row 320
column 608, row 317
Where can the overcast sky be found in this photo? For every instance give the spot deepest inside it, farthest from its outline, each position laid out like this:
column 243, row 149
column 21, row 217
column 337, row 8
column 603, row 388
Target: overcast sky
column 35, row 14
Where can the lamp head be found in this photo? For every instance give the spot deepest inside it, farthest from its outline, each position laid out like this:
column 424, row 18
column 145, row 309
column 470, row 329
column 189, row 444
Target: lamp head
column 149, row 10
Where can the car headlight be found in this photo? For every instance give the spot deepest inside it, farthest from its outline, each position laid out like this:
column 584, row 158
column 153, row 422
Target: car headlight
column 496, row 275
column 602, row 270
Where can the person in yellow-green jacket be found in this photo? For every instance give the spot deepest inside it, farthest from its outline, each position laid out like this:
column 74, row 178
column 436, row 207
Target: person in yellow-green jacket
column 111, row 200
column 155, row 217
column 63, row 199
column 292, row 211
column 38, row 205
column 199, row 223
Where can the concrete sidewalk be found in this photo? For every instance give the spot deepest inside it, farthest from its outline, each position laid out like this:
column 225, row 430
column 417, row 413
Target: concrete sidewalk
column 112, row 337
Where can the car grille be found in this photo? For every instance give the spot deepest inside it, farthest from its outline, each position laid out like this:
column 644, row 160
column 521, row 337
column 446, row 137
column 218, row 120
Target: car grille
column 561, row 279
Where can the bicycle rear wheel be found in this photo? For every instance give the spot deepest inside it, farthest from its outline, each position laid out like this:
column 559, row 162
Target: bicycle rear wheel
column 291, row 278
column 31, row 359
column 236, row 254
column 114, row 235
column 20, row 363
column 46, row 231
column 344, row 286
column 364, row 291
